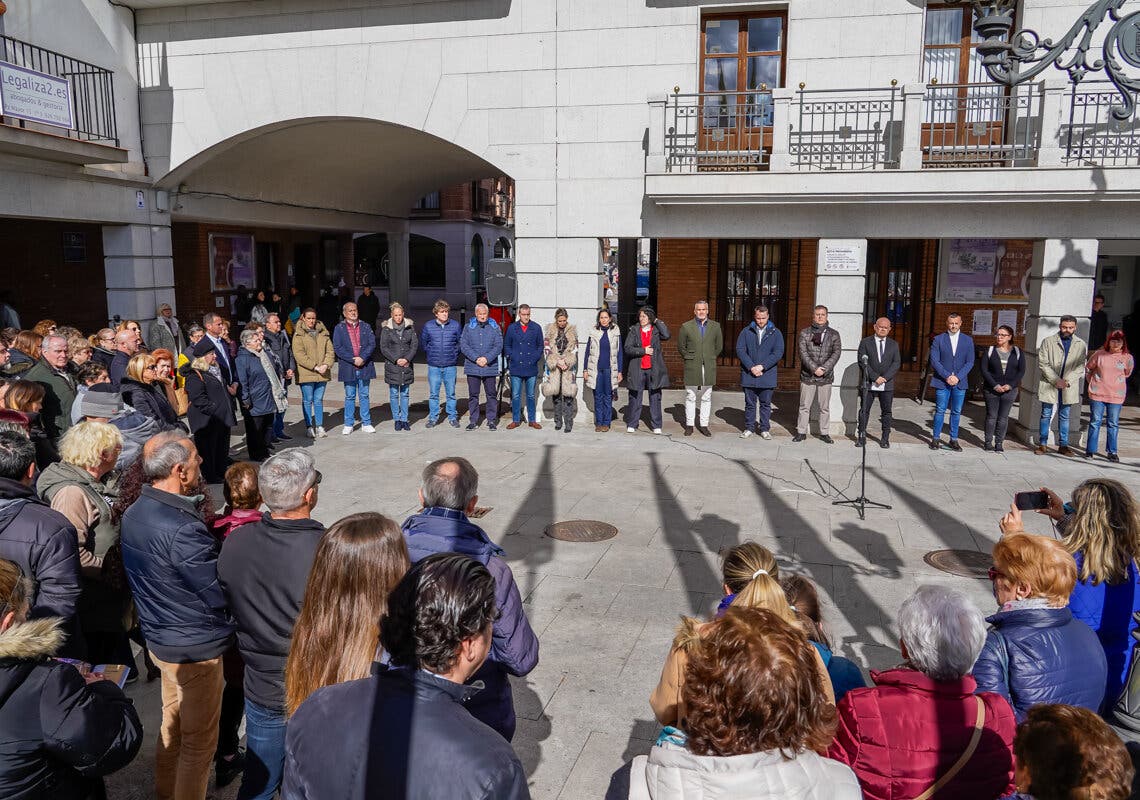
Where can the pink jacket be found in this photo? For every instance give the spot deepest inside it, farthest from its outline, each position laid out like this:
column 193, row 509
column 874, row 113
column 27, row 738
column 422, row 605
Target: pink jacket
column 234, row 518
column 1107, row 373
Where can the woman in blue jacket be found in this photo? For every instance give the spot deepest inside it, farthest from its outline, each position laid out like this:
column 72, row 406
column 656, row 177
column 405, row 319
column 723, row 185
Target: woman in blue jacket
column 260, row 390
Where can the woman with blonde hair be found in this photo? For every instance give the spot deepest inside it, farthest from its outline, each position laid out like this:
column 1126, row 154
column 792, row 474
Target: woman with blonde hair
column 134, row 327
column 79, row 352
column 359, row 560
column 751, row 580
column 78, row 488
column 143, row 390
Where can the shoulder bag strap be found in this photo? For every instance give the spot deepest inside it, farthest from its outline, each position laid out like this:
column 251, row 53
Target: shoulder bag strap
column 979, row 723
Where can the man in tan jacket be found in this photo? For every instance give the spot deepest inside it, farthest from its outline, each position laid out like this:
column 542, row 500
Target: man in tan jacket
column 1061, row 358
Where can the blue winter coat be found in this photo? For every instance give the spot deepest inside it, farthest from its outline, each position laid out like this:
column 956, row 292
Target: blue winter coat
column 256, row 389
column 481, row 341
column 768, row 353
column 514, row 646
column 844, row 675
column 1108, row 611
column 346, row 371
column 440, row 343
column 1041, row 655
column 523, row 350
column 171, row 561
column 944, row 362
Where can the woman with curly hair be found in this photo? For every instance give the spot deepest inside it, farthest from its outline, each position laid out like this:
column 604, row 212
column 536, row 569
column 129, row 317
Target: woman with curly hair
column 1069, row 753
column 751, row 580
column 757, row 719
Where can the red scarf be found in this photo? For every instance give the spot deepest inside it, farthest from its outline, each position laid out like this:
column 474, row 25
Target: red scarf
column 646, row 341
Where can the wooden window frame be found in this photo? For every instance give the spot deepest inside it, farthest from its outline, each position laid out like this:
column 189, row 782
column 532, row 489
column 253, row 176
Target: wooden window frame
column 783, row 316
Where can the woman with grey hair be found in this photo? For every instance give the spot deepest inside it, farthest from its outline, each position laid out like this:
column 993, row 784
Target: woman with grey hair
column 923, row 729
column 262, row 393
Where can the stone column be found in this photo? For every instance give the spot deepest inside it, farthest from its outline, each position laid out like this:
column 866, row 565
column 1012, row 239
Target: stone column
column 399, row 276
column 840, row 284
column 1062, row 280
column 139, row 269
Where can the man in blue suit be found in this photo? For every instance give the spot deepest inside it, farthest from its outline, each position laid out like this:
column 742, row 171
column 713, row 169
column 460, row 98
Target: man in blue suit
column 951, row 358
column 759, row 347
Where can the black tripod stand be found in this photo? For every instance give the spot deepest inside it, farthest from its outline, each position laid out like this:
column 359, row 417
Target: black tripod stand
column 861, row 503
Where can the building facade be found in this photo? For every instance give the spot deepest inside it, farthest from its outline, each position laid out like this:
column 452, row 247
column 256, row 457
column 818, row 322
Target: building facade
column 790, row 153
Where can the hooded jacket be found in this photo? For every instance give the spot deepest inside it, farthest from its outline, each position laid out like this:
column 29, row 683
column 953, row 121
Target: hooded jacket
column 481, row 340
column 172, row 567
column 514, row 646
column 673, row 773
column 396, row 343
column 58, row 734
column 417, row 742
column 44, row 545
column 905, row 732
column 310, row 351
column 1042, row 655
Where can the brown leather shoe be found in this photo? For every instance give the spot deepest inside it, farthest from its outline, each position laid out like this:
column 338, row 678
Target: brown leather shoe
column 597, row 429
column 1064, row 450
column 605, row 429
column 536, row 426
column 1040, row 450
column 513, row 425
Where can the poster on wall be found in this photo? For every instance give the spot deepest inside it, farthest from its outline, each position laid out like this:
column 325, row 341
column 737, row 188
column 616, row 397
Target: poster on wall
column 1011, row 279
column 231, row 261
column 1008, row 317
column 970, row 269
column 983, row 322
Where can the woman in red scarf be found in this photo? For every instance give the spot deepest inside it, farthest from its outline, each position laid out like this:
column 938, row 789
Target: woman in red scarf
column 646, row 368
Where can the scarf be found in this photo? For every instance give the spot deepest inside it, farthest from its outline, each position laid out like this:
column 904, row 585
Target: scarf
column 1026, row 603
column 646, row 341
column 817, row 334
column 279, row 400
column 560, row 341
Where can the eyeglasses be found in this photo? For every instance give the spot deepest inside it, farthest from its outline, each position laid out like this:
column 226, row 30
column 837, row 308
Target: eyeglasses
column 317, row 480
column 994, row 573
column 150, row 368
column 106, row 338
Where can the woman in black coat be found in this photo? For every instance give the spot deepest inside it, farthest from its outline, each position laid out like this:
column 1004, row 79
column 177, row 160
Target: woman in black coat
column 398, row 343
column 1002, row 371
column 59, row 733
column 143, row 392
column 211, row 411
column 645, row 368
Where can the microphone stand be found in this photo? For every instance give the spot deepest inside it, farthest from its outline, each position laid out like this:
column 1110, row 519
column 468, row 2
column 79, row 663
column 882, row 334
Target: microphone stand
column 861, row 503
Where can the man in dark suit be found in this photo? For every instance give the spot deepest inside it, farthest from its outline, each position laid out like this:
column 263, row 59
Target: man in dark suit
column 883, row 363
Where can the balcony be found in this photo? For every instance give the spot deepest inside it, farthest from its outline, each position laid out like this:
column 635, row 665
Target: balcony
column 78, row 124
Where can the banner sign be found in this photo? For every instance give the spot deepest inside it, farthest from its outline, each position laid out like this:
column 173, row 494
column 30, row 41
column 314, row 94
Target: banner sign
column 35, row 96
column 984, row 270
column 231, row 261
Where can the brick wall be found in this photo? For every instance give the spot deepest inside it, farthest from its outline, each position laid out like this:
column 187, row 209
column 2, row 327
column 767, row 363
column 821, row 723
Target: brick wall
column 42, row 285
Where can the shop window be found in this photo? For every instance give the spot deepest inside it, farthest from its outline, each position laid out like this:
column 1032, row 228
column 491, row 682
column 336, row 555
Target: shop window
column 753, row 273
column 476, row 270
column 427, row 262
column 742, row 59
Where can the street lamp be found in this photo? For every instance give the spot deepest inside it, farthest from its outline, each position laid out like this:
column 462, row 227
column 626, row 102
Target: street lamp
column 1012, row 57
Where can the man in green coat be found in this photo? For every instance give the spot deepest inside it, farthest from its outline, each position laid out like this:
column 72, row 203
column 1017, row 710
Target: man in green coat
column 59, row 386
column 699, row 343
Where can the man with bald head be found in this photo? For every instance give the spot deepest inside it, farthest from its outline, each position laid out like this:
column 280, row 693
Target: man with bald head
column 127, row 343
column 880, row 354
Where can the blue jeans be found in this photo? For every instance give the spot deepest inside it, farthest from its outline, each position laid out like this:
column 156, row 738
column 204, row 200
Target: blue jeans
column 446, row 376
column 517, row 386
column 313, row 394
column 603, row 398
column 1062, row 424
column 955, row 398
column 351, row 390
column 264, row 752
column 1097, row 410
column 398, row 400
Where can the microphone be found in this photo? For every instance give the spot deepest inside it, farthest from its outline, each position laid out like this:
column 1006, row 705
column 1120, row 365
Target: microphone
column 864, row 360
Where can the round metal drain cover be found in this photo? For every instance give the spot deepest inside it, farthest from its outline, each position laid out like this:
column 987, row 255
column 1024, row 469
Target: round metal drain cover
column 581, row 530
column 963, row 563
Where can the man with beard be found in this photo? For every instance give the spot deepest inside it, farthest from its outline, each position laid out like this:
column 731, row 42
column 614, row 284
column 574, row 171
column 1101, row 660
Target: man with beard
column 1061, row 358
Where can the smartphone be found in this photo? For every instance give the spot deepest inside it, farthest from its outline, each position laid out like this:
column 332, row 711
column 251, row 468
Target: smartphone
column 1031, row 501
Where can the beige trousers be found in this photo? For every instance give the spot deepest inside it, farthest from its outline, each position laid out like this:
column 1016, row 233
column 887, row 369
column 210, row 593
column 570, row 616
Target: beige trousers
column 191, row 707
column 809, row 393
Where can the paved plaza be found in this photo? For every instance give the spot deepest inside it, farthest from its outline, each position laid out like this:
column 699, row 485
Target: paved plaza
column 605, row 613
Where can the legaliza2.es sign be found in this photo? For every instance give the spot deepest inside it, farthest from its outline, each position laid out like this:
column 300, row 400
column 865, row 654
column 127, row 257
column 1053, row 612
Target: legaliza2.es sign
column 35, row 96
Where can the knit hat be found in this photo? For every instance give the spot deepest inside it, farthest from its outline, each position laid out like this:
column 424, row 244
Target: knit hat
column 101, row 400
column 203, row 347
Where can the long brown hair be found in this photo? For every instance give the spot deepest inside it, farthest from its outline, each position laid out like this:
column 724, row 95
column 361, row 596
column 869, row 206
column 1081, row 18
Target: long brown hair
column 358, row 562
column 28, row 343
column 22, row 395
column 1104, row 529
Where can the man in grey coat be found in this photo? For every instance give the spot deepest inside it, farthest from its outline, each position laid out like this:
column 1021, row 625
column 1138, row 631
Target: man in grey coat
column 819, row 349
column 165, row 333
column 1061, row 359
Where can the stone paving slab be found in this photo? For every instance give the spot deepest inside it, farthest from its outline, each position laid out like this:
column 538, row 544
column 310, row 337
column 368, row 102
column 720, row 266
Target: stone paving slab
column 606, row 612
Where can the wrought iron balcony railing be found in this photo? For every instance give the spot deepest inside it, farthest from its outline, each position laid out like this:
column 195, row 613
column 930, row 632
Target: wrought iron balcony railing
column 981, row 125
column 91, row 88
column 853, row 129
column 1092, row 136
column 718, row 131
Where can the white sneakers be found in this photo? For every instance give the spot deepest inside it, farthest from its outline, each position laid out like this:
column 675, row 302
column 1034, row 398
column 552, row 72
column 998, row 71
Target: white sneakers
column 321, row 432
column 311, row 433
column 657, row 431
column 346, row 431
column 368, row 429
column 747, row 432
column 765, row 435
column 631, row 430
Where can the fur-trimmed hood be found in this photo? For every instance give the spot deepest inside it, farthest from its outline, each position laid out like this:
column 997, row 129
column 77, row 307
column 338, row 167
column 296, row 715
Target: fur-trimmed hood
column 408, row 323
column 39, row 638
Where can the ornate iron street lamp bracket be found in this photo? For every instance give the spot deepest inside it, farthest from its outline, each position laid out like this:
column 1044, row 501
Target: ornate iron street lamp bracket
column 1013, row 57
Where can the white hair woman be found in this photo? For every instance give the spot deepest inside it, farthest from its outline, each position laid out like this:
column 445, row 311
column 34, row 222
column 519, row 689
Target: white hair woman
column 922, row 725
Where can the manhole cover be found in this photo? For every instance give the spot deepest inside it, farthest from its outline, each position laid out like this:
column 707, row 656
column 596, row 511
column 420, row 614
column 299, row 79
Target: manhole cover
column 963, row 563
column 581, row 530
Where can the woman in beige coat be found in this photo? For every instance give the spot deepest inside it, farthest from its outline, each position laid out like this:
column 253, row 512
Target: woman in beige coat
column 313, row 351
column 561, row 384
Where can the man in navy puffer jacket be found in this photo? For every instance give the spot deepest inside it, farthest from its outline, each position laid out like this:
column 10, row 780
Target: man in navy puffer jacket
column 172, row 567
column 439, row 339
column 449, row 492
column 1037, row 652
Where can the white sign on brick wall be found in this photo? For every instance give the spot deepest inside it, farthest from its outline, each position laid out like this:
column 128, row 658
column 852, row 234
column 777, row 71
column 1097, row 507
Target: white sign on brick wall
column 842, row 257
column 35, row 96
